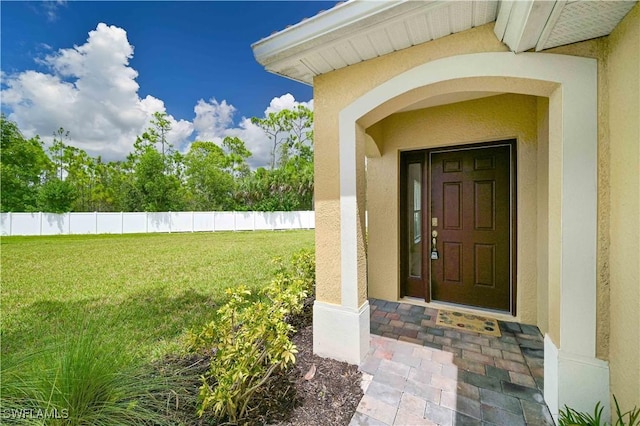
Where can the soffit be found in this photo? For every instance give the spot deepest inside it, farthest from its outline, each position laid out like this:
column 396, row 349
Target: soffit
column 541, row 24
column 356, row 31
column 575, row 21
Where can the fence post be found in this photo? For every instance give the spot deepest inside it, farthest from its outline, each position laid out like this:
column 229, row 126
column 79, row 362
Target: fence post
column 193, row 223
column 95, row 216
column 254, row 220
column 40, row 224
column 68, row 223
column 122, row 222
column 10, row 225
column 169, row 222
column 146, row 222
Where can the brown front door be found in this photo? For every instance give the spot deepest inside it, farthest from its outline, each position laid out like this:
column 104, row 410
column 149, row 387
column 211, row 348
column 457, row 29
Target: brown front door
column 471, row 213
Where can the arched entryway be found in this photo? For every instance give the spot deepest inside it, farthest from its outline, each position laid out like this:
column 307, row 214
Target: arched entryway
column 568, row 248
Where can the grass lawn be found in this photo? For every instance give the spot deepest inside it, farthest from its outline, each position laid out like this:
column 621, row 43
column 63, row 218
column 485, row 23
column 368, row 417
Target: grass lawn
column 142, row 292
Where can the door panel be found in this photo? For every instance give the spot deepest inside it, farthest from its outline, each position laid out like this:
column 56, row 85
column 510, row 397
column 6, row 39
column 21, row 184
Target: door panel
column 484, row 205
column 452, row 205
column 471, row 198
column 452, row 261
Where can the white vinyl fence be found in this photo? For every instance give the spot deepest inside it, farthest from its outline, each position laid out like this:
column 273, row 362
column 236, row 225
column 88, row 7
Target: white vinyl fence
column 134, row 223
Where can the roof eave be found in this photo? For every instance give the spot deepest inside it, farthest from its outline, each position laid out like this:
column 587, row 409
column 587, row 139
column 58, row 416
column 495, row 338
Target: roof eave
column 318, row 30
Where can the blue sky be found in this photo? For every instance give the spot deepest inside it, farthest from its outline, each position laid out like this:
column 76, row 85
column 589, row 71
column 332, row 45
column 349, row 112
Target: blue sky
column 62, row 67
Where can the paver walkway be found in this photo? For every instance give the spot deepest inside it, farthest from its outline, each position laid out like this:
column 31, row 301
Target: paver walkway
column 417, row 373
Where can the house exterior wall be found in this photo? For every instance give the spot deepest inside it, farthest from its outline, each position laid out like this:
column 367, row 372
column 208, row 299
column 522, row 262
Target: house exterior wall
column 618, row 211
column 333, row 92
column 618, row 202
column 623, row 65
column 487, row 119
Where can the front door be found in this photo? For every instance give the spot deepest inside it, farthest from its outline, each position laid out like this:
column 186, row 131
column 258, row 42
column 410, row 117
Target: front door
column 465, row 204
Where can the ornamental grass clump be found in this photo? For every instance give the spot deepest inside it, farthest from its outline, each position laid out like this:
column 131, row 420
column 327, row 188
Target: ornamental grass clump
column 80, row 380
column 249, row 340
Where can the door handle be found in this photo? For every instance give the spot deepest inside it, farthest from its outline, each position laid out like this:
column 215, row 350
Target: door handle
column 434, row 245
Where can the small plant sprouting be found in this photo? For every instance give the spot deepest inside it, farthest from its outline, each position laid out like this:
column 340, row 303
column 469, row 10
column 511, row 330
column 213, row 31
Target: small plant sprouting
column 571, row 417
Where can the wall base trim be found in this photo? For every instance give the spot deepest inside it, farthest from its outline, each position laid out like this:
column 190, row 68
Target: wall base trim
column 574, row 380
column 341, row 333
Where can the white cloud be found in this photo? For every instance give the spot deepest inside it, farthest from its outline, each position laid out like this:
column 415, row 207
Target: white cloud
column 286, row 101
column 92, row 92
column 50, row 8
column 212, row 119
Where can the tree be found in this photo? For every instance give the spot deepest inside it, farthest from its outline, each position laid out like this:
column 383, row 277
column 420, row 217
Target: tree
column 57, row 150
column 289, row 186
column 114, row 188
column 162, row 126
column 236, row 157
column 80, row 168
column 209, row 182
column 208, row 177
column 23, row 165
column 155, row 183
column 56, row 196
column 290, row 132
column 153, row 190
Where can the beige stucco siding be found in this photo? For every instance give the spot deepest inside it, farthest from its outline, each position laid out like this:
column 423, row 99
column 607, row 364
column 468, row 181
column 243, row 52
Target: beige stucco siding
column 488, row 119
column 332, row 93
column 623, row 65
column 529, row 120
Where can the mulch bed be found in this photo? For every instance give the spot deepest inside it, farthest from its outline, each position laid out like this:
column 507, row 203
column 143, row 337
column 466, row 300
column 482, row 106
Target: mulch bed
column 316, row 391
column 331, row 396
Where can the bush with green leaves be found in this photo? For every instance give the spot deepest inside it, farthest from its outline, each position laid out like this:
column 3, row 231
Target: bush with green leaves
column 302, row 266
column 249, row 340
column 571, row 417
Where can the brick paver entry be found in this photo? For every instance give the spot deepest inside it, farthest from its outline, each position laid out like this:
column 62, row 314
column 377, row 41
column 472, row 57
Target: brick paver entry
column 419, row 374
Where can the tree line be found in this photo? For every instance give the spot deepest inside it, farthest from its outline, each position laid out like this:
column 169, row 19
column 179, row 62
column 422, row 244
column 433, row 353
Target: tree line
column 156, row 176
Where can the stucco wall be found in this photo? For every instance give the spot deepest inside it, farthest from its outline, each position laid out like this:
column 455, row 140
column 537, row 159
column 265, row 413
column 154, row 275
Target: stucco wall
column 618, row 304
column 487, row 119
column 333, row 92
column 618, row 295
column 623, row 64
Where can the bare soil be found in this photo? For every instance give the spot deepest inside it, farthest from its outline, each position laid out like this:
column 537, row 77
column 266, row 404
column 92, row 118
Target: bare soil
column 331, row 396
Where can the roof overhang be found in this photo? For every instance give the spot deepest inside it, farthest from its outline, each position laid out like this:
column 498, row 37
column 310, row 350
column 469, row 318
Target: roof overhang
column 543, row 24
column 356, row 31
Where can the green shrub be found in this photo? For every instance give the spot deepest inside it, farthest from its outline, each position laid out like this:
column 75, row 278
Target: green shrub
column 571, row 417
column 301, row 266
column 249, row 339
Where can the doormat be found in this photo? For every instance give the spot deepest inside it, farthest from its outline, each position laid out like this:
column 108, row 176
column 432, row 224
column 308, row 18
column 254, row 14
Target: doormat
column 469, row 322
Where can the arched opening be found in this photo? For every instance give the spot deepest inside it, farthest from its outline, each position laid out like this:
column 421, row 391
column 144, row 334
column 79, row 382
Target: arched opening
column 565, row 91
